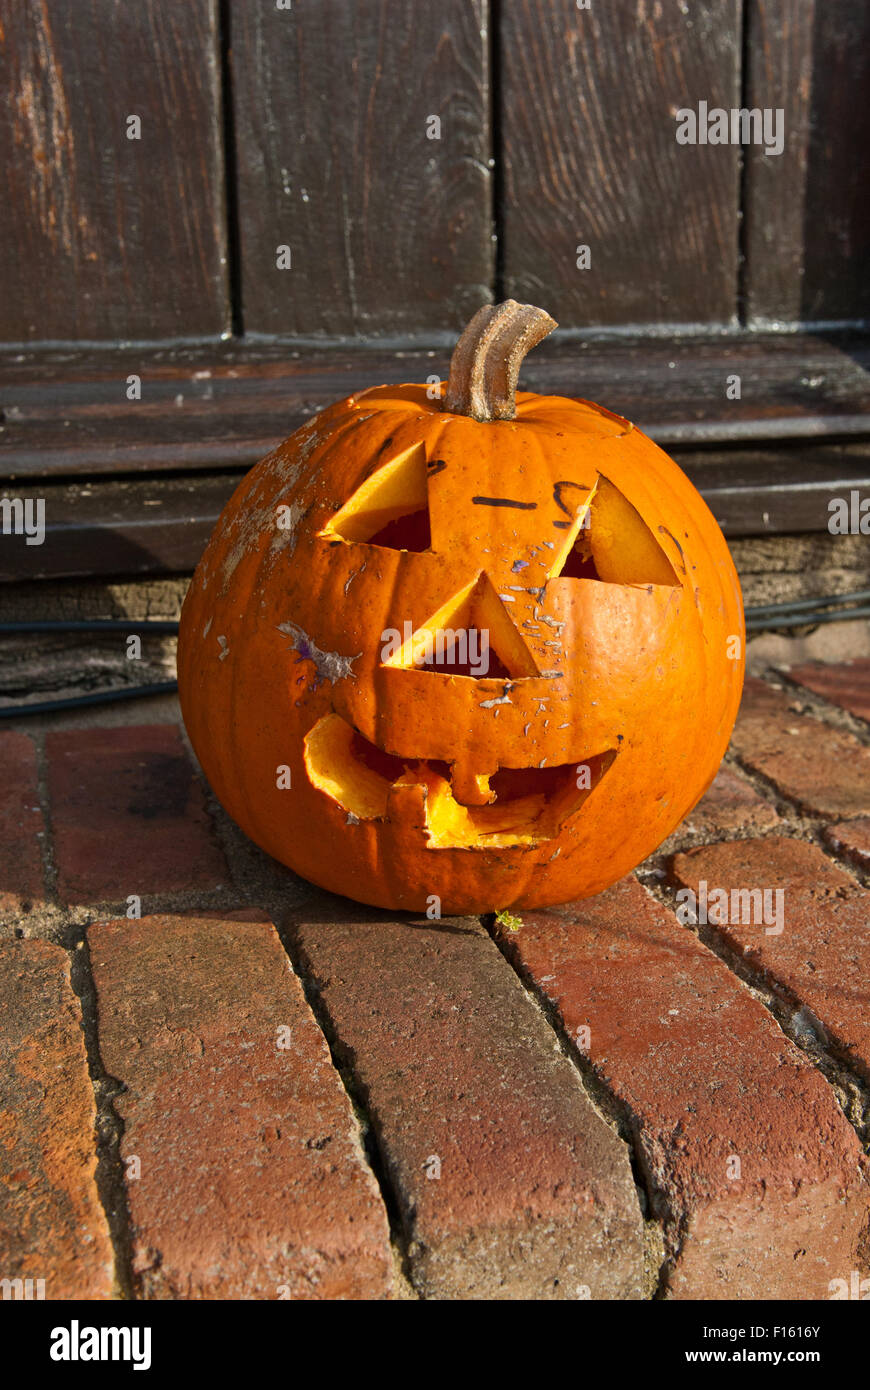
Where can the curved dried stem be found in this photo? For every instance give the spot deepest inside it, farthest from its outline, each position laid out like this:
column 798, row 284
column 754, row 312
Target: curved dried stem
column 486, row 361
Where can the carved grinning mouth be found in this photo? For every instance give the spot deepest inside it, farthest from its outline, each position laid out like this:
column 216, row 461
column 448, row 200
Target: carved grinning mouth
column 520, row 805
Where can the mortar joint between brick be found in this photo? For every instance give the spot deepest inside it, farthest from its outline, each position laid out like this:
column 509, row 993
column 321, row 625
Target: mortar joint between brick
column 851, row 1092
column 827, row 711
column 109, row 1127
column 611, row 1110
column 794, row 824
column 373, row 1151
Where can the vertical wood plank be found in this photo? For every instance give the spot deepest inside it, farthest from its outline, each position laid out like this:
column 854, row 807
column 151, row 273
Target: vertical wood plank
column 588, row 105
column 102, row 236
column 779, row 75
column 808, row 209
column 389, row 231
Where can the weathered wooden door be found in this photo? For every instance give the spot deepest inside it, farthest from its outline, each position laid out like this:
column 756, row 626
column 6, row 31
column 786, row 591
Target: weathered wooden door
column 218, row 216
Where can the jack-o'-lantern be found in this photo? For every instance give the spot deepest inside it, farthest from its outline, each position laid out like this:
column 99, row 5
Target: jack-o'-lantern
column 462, row 644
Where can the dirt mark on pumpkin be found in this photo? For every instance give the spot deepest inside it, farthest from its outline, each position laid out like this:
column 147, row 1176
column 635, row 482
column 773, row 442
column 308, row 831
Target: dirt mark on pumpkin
column 331, row 666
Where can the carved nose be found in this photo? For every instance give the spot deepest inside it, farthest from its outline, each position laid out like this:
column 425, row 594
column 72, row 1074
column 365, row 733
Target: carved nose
column 471, row 629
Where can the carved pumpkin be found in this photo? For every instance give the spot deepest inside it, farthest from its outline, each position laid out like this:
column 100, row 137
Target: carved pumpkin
column 588, row 691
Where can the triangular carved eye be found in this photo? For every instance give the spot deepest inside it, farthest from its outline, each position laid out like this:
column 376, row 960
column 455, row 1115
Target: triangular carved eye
column 470, row 635
column 613, row 543
column 391, row 508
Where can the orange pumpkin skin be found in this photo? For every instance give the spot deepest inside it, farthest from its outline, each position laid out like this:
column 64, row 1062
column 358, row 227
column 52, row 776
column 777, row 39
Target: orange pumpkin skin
column 635, row 675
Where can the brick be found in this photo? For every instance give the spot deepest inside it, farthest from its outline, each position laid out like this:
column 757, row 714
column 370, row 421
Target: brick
column 826, row 771
column 851, row 838
column 846, row 684
column 52, row 1226
column 128, row 815
column 730, row 804
column 463, row 1077
column 820, row 961
column 704, row 1075
column 21, row 825
column 252, row 1183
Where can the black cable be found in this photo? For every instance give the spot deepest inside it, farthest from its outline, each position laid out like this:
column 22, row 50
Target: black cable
column 100, row 697
column 93, row 625
column 804, row 605
column 761, row 618
column 770, row 624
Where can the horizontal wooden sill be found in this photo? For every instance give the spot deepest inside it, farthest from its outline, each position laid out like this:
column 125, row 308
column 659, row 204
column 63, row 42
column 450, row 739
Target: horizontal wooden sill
column 134, row 487
column 68, row 413
column 160, row 524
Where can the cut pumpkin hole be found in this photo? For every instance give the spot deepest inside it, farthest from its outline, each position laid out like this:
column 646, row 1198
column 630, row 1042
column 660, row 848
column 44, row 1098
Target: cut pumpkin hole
column 579, row 564
column 411, row 532
column 614, row 544
column 468, row 652
column 469, row 635
column 525, row 804
column 391, row 508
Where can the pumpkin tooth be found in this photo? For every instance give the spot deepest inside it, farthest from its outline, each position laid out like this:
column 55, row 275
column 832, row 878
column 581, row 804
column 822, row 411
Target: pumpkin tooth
column 469, row 787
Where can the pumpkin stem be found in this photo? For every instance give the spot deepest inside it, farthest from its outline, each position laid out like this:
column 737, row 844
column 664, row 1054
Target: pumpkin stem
column 486, row 361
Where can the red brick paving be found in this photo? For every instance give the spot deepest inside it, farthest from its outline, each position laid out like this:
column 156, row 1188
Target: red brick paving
column 21, row 824
column 463, row 1078
column 52, row 1225
column 852, row 838
column 252, row 1182
column 821, row 959
column 730, row 804
column 826, row 771
column 128, row 815
column 706, row 1077
column 846, row 685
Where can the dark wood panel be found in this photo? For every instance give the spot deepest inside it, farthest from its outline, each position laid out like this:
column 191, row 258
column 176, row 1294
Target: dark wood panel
column 837, row 206
column 36, row 667
column 389, row 230
column 808, row 209
column 148, row 526
column 755, row 491
column 780, row 75
column 63, row 414
column 794, row 386
column 588, row 103
column 161, row 525
column 102, row 236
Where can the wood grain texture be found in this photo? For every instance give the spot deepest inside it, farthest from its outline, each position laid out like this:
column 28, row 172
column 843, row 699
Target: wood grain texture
column 588, row 103
column 66, row 414
column 780, row 52
column 158, row 525
column 808, row 209
column 50, row 666
column 138, row 526
column 389, row 231
column 104, row 237
column 758, row 490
